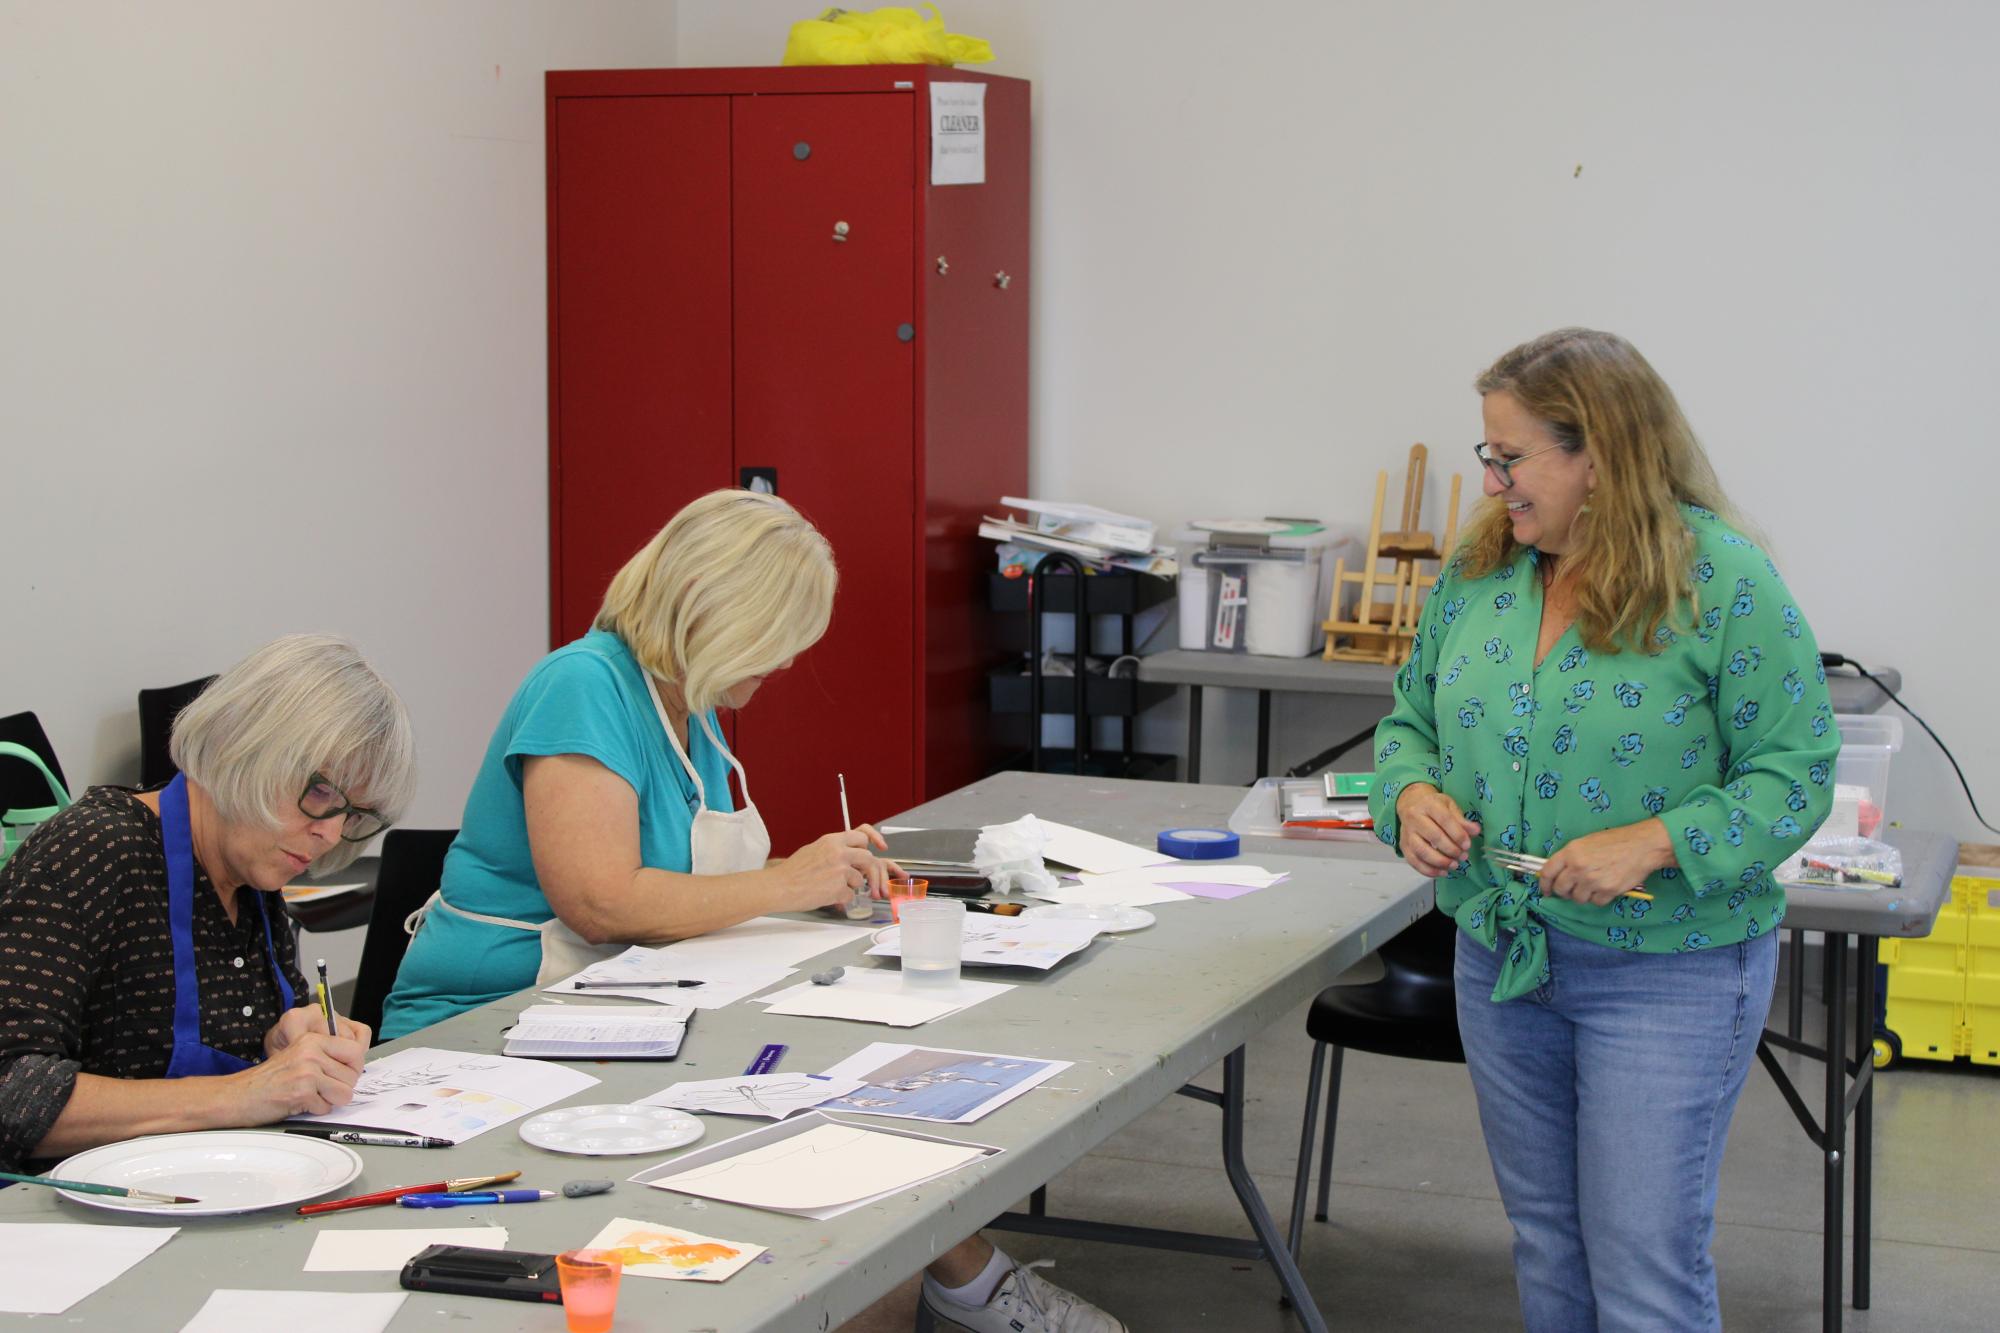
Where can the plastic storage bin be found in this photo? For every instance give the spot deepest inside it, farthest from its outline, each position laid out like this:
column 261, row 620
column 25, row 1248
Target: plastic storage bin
column 1286, row 598
column 1868, row 742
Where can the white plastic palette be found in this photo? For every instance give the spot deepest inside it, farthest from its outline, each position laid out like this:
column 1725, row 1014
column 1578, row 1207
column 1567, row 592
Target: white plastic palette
column 1113, row 919
column 612, row 1131
column 230, row 1171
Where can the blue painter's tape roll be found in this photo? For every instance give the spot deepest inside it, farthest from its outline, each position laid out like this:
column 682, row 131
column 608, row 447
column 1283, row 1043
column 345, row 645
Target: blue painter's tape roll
column 1200, row 844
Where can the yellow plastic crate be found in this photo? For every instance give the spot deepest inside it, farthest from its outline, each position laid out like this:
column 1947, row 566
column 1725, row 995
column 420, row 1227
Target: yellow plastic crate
column 1979, row 899
column 1927, row 985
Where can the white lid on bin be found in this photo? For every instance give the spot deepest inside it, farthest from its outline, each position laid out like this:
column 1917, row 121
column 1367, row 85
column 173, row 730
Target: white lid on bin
column 1870, row 729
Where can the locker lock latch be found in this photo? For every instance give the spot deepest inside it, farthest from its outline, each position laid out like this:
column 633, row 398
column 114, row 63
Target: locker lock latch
column 840, row 231
column 1001, row 280
column 944, row 266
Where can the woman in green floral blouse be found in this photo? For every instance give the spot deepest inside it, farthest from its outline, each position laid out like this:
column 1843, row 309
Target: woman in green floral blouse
column 1611, row 676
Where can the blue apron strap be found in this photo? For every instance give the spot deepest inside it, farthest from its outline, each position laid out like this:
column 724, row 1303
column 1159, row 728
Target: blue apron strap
column 178, row 841
column 285, row 1000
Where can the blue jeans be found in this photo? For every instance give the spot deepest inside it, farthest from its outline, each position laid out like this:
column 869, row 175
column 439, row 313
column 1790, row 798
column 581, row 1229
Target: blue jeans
column 1605, row 1097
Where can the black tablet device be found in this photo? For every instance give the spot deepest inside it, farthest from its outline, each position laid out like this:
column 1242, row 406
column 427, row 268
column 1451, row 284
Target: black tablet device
column 511, row 1275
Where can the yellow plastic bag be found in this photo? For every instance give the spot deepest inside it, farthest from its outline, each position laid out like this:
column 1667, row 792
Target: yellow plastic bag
column 888, row 36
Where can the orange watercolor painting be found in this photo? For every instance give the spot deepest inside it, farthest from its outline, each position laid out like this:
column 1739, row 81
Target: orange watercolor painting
column 647, row 1249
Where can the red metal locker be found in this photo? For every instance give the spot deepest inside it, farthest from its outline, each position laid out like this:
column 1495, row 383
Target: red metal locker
column 887, row 389
column 639, row 410
column 824, row 352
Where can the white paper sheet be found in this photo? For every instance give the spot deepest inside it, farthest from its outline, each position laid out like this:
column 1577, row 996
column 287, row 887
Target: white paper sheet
column 306, row 893
column 450, row 1094
column 935, row 1082
column 230, row 1311
column 46, row 1267
column 828, row 1166
column 1095, row 853
column 1204, row 872
column 958, row 133
column 763, row 941
column 1008, row 942
column 647, row 1249
column 723, row 982
column 772, row 1095
column 878, row 995
column 386, row 1251
column 1112, row 891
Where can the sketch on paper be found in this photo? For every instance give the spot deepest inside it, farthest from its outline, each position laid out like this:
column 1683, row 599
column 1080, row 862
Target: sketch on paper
column 646, row 1249
column 772, row 1095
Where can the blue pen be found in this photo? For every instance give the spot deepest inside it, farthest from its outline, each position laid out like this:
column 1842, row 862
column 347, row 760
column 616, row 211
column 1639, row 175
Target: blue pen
column 487, row 1196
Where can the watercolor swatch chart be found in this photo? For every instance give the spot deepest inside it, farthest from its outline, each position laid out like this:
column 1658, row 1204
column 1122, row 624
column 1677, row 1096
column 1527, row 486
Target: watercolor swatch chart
column 449, row 1094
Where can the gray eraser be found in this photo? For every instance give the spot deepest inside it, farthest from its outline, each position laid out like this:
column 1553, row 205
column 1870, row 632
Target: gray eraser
column 580, row 1189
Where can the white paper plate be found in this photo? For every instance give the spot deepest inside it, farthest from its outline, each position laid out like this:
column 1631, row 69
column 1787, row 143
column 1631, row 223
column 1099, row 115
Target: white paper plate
column 1113, row 919
column 230, row 1171
column 612, row 1131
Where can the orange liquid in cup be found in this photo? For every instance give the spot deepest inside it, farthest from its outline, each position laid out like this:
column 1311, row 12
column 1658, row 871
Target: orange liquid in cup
column 589, row 1290
column 906, row 890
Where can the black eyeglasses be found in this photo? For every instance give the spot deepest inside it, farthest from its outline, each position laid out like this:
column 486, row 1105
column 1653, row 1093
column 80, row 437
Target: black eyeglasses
column 322, row 800
column 1503, row 468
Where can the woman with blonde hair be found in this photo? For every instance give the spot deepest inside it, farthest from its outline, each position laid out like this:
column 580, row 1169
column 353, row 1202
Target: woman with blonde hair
column 601, row 818
column 602, row 815
column 1610, row 676
column 144, row 988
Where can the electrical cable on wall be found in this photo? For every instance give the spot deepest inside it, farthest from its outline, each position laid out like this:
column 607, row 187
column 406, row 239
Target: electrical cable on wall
column 1833, row 660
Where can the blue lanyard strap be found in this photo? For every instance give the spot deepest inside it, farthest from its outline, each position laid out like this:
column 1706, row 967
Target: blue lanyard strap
column 177, row 839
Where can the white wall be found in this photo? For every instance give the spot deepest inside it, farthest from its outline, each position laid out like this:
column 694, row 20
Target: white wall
column 1273, row 245
column 272, row 348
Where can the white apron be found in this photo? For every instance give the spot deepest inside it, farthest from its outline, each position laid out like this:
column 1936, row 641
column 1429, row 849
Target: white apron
column 719, row 844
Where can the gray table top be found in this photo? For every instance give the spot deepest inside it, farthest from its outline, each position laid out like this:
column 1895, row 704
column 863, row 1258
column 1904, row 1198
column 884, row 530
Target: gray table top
column 1312, row 675
column 1929, row 861
column 1140, row 1014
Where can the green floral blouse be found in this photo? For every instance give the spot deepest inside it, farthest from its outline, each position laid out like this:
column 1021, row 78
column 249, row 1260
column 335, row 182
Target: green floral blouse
column 1723, row 730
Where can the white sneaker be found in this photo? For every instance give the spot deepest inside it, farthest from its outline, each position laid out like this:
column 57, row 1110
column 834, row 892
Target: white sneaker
column 1024, row 1303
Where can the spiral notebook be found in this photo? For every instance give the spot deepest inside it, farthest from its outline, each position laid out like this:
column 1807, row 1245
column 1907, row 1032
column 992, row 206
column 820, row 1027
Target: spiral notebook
column 599, row 1032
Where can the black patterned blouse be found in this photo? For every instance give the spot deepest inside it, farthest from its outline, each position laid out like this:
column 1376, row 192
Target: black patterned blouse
column 87, row 963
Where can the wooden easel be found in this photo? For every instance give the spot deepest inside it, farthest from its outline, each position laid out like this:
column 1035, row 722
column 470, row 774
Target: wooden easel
column 1378, row 630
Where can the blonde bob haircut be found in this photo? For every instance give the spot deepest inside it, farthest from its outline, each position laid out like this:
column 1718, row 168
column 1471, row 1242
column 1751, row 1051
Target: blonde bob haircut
column 1630, row 545
column 734, row 586
column 300, row 705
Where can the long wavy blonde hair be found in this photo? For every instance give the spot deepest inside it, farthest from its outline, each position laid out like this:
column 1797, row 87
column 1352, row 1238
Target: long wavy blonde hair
column 1630, row 545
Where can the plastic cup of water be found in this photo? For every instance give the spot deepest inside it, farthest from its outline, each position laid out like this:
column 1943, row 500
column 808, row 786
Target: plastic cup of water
column 933, row 929
column 589, row 1281
column 906, row 891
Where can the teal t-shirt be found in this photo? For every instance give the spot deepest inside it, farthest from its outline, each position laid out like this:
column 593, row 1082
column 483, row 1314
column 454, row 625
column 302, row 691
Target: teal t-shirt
column 589, row 698
column 1722, row 730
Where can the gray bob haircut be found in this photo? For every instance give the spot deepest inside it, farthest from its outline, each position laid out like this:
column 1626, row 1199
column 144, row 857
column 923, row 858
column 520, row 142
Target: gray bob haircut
column 300, row 705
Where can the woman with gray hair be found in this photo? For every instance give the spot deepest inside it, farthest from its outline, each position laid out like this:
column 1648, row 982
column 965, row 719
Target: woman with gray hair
column 143, row 988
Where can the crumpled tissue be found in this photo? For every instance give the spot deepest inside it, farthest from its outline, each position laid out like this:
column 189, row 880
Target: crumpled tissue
column 1010, row 856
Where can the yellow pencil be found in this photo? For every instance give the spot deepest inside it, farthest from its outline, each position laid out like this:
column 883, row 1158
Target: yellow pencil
column 326, row 1000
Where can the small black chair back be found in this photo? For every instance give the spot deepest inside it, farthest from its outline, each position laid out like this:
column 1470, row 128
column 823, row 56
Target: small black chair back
column 21, row 787
column 412, row 865
column 157, row 711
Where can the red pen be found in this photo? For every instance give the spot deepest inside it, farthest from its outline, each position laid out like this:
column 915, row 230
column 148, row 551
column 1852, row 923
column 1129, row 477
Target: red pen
column 390, row 1196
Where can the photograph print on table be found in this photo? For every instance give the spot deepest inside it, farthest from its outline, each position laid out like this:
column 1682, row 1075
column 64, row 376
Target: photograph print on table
column 931, row 1083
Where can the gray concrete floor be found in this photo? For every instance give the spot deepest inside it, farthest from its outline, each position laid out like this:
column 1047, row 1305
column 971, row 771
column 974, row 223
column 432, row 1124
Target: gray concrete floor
column 1417, row 1239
